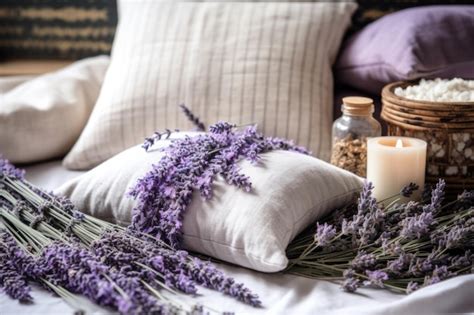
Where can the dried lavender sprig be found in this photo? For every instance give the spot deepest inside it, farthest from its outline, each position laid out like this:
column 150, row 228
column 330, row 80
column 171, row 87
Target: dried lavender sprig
column 198, row 124
column 75, row 268
column 164, row 260
column 12, row 281
column 157, row 136
column 408, row 190
column 209, row 276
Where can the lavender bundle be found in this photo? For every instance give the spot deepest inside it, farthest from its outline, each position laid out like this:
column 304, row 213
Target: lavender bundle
column 46, row 240
column 402, row 247
column 190, row 164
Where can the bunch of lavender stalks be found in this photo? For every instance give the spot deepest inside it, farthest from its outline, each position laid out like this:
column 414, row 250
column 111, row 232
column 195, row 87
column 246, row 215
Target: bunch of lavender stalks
column 44, row 239
column 400, row 246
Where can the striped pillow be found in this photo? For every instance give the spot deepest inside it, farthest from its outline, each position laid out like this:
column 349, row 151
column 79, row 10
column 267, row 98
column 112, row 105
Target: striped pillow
column 265, row 63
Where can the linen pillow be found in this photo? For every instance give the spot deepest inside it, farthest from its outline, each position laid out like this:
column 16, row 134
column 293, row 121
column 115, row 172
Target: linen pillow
column 41, row 118
column 9, row 82
column 290, row 191
column 265, row 63
column 430, row 41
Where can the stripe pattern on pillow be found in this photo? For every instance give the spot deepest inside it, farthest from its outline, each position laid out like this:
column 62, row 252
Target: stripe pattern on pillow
column 264, row 63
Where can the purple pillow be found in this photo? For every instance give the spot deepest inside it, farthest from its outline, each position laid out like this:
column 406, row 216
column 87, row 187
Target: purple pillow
column 430, row 41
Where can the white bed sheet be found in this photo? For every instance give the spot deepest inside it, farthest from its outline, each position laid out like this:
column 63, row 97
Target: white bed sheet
column 280, row 294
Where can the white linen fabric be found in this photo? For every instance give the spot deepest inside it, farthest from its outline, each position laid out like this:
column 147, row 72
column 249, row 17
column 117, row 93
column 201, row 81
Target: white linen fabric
column 42, row 118
column 289, row 294
column 289, row 191
column 50, row 174
column 266, row 63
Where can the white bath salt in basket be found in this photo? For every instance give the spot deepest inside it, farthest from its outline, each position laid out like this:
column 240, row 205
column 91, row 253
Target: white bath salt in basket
column 439, row 90
column 441, row 112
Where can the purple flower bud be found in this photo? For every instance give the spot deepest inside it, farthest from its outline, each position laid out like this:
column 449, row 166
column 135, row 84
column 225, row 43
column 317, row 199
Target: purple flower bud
column 324, row 234
column 7, row 169
column 351, row 284
column 12, row 280
column 418, row 225
column 376, row 278
column 199, row 126
column 408, row 190
column 412, row 287
column 363, row 261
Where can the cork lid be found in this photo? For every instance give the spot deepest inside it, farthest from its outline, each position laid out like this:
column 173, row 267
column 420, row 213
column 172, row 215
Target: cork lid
column 357, row 106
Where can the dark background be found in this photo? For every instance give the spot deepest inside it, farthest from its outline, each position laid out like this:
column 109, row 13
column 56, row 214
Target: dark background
column 74, row 29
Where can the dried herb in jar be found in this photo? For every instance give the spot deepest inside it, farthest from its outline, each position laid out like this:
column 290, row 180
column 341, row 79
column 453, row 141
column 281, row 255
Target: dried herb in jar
column 350, row 133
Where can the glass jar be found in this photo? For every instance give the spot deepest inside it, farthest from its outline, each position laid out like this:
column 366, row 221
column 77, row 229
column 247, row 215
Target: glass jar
column 350, row 133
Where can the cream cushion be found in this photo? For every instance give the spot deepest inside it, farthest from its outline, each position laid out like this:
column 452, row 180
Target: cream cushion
column 41, row 118
column 266, row 63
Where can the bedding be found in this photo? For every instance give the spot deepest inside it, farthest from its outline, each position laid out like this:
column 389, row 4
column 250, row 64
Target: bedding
column 399, row 47
column 281, row 294
column 41, row 118
column 252, row 229
column 223, row 61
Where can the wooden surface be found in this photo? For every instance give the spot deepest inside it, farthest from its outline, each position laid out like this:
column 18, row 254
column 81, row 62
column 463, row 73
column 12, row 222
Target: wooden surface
column 34, row 67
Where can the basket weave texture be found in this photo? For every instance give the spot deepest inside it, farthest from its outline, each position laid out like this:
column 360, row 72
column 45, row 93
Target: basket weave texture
column 447, row 127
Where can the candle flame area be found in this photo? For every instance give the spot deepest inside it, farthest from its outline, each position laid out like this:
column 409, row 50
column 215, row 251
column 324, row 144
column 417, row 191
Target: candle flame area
column 399, row 143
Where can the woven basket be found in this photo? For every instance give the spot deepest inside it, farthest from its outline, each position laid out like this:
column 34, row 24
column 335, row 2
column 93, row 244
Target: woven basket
column 447, row 127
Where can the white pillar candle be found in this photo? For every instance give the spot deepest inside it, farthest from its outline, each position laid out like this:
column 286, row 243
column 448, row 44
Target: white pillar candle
column 393, row 163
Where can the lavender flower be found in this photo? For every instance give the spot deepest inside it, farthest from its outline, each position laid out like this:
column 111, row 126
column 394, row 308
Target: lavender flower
column 366, row 201
column 351, row 283
column 439, row 273
column 418, row 225
column 80, row 271
column 128, row 256
column 363, row 261
column 391, row 247
column 466, row 198
column 412, row 287
column 426, row 193
column 411, row 208
column 461, row 261
column 12, row 280
column 456, row 235
column 408, row 190
column 399, row 264
column 179, row 270
column 324, row 234
column 199, row 126
column 221, row 127
column 376, row 278
column 7, row 169
column 437, row 197
column 207, row 275
column 157, row 136
column 420, row 266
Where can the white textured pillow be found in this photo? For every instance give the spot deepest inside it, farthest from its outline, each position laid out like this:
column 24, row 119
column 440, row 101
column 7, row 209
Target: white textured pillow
column 265, row 63
column 290, row 190
column 41, row 118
